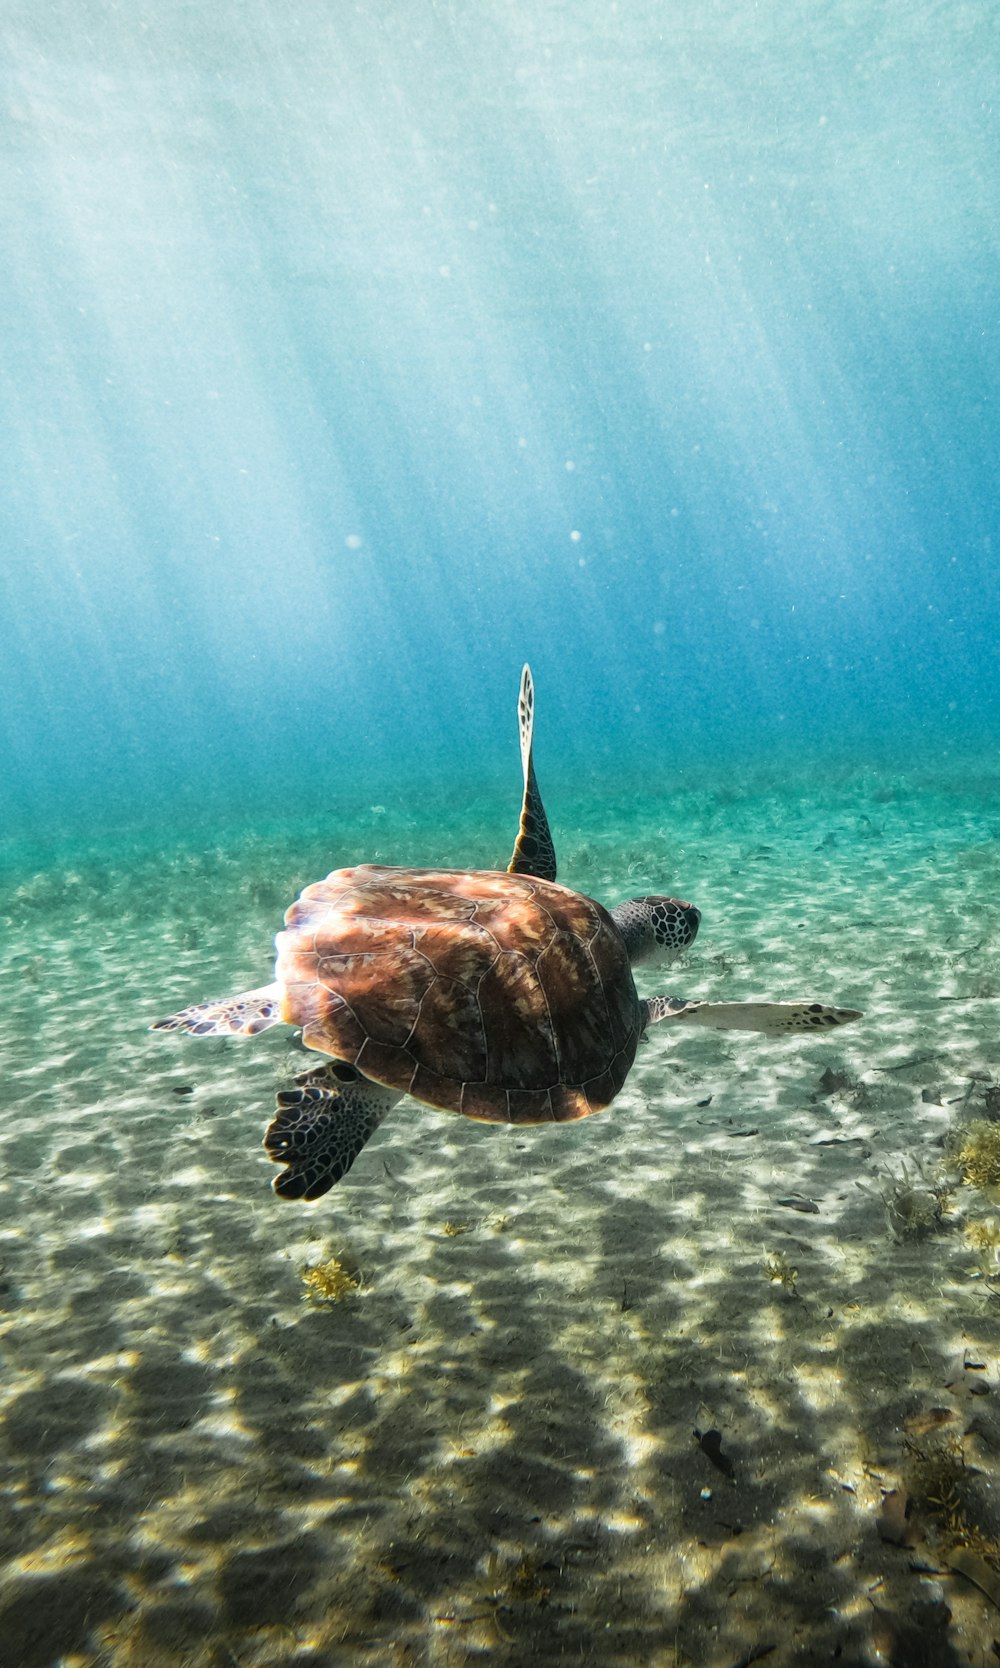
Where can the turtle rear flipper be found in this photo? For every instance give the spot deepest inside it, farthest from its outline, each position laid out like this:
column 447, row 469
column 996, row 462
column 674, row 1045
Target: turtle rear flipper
column 235, row 1016
column 319, row 1130
column 771, row 1018
column 534, row 853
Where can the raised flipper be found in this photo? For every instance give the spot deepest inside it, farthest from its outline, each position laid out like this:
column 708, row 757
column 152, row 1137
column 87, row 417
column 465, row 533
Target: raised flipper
column 534, row 853
column 235, row 1016
column 774, row 1018
column 321, row 1127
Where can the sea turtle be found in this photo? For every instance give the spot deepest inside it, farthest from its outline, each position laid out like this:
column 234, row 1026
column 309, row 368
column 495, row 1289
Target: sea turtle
column 499, row 995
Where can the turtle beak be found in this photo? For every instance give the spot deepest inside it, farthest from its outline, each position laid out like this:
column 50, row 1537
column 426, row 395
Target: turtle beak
column 691, row 917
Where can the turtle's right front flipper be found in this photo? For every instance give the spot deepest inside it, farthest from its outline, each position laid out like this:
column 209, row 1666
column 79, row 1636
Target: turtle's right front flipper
column 320, row 1128
column 234, row 1016
column 534, row 853
column 771, row 1018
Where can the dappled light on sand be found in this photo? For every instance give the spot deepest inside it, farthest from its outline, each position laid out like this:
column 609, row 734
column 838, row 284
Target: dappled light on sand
column 710, row 1373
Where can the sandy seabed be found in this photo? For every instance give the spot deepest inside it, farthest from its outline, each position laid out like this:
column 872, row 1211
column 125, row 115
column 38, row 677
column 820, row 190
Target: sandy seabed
column 711, row 1378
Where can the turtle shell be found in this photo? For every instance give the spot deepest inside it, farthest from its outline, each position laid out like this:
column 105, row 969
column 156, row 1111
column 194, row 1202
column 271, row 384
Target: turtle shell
column 503, row 997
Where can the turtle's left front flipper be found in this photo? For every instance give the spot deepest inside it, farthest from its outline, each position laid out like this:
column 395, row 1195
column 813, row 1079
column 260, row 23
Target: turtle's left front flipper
column 771, row 1018
column 320, row 1128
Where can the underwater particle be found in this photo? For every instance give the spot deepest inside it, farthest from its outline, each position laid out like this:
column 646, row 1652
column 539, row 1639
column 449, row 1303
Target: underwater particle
column 328, row 1282
column 354, row 541
column 976, row 1153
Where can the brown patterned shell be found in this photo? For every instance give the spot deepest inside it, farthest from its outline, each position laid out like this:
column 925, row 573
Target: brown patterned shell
column 499, row 996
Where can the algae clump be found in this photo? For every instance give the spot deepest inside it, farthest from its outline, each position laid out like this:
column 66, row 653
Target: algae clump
column 780, row 1272
column 976, row 1153
column 328, row 1282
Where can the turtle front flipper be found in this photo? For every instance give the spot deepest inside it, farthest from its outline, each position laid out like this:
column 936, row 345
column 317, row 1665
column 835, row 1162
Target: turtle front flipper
column 321, row 1127
column 234, row 1016
column 534, row 853
column 771, row 1018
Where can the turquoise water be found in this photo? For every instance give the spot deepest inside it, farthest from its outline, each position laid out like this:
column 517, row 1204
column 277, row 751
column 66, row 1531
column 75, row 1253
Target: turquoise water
column 351, row 355
column 355, row 355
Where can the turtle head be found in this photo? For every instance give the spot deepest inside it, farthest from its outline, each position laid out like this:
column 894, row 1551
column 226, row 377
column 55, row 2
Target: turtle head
column 656, row 929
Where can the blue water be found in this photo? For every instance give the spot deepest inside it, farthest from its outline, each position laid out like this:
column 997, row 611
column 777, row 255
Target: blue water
column 354, row 354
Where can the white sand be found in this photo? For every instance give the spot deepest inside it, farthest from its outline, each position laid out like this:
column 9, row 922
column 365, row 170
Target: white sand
column 486, row 1452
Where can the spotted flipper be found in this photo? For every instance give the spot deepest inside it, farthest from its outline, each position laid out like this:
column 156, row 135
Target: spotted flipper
column 534, row 853
column 235, row 1016
column 321, row 1127
column 774, row 1018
